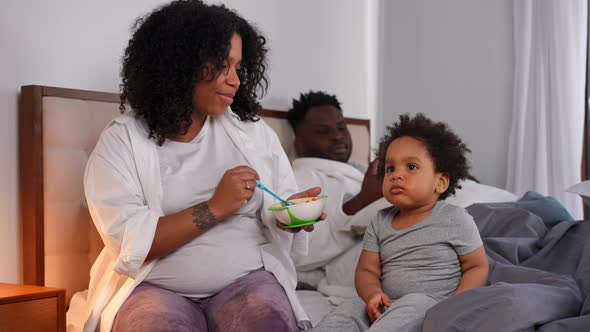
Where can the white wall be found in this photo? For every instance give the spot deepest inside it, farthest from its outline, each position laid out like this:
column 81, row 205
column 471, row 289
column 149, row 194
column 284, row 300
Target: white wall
column 78, row 44
column 318, row 45
column 452, row 60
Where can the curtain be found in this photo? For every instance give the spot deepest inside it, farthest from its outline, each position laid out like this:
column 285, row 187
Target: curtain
column 545, row 144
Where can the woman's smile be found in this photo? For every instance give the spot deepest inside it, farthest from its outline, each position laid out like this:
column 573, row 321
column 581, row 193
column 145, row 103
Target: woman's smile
column 227, row 98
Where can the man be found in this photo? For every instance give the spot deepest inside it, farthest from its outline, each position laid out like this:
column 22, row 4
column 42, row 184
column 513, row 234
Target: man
column 323, row 145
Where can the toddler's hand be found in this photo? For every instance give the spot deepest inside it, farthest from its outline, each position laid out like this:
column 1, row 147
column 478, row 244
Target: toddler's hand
column 374, row 305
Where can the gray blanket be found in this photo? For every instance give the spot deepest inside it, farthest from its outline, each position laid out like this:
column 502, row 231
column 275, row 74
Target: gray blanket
column 539, row 272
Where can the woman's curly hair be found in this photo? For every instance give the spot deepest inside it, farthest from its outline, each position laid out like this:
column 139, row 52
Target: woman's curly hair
column 178, row 45
column 445, row 147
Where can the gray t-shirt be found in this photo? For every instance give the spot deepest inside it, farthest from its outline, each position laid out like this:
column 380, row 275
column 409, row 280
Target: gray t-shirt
column 423, row 258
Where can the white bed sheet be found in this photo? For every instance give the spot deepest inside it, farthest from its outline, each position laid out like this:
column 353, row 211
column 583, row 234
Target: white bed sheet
column 316, row 304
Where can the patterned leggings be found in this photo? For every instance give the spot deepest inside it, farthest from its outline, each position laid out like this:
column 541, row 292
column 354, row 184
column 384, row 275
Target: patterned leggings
column 254, row 302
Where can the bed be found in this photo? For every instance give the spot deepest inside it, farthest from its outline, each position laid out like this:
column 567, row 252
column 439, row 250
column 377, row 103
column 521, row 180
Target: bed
column 532, row 285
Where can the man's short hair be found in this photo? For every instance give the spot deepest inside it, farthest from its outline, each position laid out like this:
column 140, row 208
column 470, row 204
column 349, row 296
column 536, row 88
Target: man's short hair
column 305, row 102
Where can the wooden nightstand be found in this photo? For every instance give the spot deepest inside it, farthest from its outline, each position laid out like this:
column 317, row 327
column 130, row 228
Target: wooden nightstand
column 32, row 308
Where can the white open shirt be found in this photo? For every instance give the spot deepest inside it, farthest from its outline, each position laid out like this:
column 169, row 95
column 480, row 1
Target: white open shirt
column 124, row 193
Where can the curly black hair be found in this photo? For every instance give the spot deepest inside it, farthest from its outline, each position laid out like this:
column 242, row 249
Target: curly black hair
column 179, row 44
column 306, row 101
column 445, row 147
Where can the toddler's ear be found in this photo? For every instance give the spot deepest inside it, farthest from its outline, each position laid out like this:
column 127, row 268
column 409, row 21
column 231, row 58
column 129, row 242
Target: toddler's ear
column 442, row 183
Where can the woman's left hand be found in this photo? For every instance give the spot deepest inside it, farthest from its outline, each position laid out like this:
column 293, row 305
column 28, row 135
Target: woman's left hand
column 312, row 192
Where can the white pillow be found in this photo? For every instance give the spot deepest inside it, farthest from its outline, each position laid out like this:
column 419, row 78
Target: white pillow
column 472, row 192
column 582, row 189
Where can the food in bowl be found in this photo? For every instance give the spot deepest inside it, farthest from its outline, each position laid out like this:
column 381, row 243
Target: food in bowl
column 303, row 212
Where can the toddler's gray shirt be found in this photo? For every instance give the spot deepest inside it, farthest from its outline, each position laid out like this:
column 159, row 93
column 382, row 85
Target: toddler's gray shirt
column 422, row 258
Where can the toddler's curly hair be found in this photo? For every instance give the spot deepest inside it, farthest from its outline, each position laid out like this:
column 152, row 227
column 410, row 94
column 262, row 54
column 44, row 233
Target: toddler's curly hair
column 445, row 147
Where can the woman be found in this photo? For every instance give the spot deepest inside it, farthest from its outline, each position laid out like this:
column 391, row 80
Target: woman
column 189, row 242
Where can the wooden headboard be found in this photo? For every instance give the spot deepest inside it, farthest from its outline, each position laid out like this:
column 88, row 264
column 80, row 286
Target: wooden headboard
column 58, row 129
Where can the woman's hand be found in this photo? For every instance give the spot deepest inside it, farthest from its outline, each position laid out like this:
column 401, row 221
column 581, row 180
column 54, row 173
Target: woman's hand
column 312, row 192
column 234, row 189
column 375, row 303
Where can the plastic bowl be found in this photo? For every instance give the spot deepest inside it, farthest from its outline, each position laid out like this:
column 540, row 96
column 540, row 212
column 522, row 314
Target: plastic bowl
column 303, row 212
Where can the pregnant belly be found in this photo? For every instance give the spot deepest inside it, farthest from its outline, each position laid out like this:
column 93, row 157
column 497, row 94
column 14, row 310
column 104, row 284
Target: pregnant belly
column 203, row 275
column 209, row 263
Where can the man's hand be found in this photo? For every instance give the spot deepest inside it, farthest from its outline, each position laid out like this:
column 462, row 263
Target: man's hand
column 372, row 183
column 370, row 190
column 312, row 192
column 375, row 303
